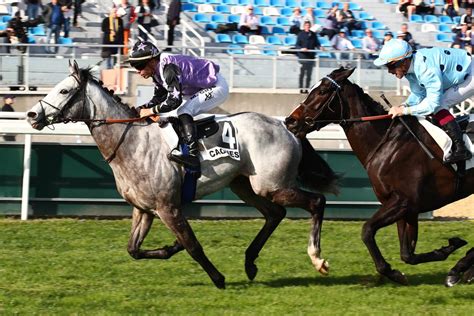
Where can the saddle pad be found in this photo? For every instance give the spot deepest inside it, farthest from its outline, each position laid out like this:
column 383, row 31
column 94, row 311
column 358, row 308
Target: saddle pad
column 224, row 143
column 443, row 140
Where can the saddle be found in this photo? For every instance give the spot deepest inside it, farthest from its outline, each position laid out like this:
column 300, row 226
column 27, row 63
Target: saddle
column 206, row 127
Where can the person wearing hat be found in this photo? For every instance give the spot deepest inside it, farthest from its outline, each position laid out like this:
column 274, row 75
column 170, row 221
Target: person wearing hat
column 387, row 37
column 249, row 22
column 8, row 101
column 341, row 43
column 185, row 84
column 439, row 78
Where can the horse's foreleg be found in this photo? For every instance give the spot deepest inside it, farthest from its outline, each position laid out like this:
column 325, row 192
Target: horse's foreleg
column 391, row 211
column 273, row 214
column 174, row 219
column 313, row 203
column 141, row 224
column 464, row 266
column 408, row 234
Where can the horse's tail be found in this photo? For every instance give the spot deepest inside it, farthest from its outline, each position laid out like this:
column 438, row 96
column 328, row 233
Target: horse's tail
column 314, row 172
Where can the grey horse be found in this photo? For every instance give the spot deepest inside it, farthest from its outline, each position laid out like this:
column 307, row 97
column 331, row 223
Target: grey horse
column 273, row 170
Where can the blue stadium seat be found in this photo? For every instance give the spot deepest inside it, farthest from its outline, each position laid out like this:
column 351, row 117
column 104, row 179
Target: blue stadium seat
column 323, row 5
column 445, row 19
column 358, row 33
column 3, row 26
column 201, row 18
column 283, row 21
column 233, row 18
column 223, row 9
column 444, row 28
column 270, row 51
column 365, row 16
column 38, row 30
column 439, row 2
column 6, row 18
column 354, row 7
column 431, row 19
column 416, row 18
column 289, row 40
column 218, row 18
column 274, row 40
column 65, row 41
column 199, row 1
column 319, row 14
column 357, row 43
column 324, row 41
column 267, row 20
column 265, row 30
column 223, row 38
column 277, row 3
column 444, row 38
column 210, row 26
column 262, row 3
column 286, row 12
column 213, row 1
column 31, row 39
column 339, row 4
column 457, row 19
column 291, row 3
column 235, row 49
column 240, row 39
column 188, row 7
column 244, row 2
column 376, row 25
column 378, row 34
column 278, row 30
column 257, row 11
column 307, row 4
column 230, row 2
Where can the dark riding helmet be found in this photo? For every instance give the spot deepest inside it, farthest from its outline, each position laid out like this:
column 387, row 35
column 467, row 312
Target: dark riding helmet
column 141, row 53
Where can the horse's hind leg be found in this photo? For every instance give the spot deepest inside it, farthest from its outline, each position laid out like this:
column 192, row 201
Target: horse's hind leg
column 408, row 235
column 141, row 224
column 464, row 266
column 272, row 212
column 174, row 219
column 314, row 203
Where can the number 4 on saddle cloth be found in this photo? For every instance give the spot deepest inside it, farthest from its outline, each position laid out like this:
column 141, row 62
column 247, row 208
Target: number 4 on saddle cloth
column 217, row 139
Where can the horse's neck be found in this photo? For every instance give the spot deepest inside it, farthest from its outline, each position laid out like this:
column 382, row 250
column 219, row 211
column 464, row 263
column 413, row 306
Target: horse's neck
column 364, row 137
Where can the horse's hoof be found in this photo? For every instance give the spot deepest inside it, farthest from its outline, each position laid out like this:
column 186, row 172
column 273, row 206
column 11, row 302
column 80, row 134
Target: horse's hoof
column 322, row 266
column 457, row 242
column 251, row 270
column 398, row 277
column 452, row 279
column 220, row 283
column 468, row 276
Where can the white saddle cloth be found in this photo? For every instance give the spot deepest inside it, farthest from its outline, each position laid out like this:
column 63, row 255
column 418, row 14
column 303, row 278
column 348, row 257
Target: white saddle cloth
column 443, row 140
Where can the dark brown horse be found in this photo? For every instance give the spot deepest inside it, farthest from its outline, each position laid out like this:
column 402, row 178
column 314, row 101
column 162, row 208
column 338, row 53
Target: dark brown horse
column 405, row 180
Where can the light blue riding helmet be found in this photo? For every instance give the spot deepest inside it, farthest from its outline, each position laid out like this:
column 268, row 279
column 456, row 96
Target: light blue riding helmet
column 393, row 50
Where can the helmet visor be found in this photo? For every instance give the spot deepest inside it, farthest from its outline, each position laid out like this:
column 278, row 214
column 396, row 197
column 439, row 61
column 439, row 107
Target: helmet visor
column 394, row 64
column 139, row 64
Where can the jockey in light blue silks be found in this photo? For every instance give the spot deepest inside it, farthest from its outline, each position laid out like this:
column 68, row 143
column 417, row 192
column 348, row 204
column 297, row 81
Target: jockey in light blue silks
column 439, row 78
column 189, row 84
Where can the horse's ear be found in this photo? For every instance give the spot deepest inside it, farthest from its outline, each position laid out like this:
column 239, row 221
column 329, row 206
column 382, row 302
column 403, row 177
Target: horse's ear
column 73, row 68
column 344, row 73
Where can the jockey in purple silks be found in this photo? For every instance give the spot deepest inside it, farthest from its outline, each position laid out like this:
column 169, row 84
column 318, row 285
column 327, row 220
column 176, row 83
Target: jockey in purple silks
column 187, row 84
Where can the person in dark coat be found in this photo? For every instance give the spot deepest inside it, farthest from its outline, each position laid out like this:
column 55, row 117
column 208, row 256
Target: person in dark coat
column 112, row 28
column 306, row 40
column 17, row 31
column 7, row 107
column 172, row 19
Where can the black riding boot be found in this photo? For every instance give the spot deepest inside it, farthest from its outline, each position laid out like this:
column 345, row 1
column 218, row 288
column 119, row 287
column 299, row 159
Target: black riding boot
column 459, row 151
column 190, row 139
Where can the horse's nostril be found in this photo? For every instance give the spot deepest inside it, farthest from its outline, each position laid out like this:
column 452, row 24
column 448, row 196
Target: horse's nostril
column 32, row 114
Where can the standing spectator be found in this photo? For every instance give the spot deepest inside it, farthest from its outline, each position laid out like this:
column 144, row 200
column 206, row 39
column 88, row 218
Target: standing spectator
column 7, row 107
column 296, row 21
column 249, row 22
column 54, row 19
column 405, row 35
column 370, row 44
column 32, row 8
column 341, row 43
column 172, row 19
column 17, row 31
column 66, row 7
column 144, row 12
column 330, row 27
column 306, row 40
column 462, row 39
column 346, row 19
column 77, row 11
column 451, row 8
column 112, row 28
column 388, row 36
column 127, row 12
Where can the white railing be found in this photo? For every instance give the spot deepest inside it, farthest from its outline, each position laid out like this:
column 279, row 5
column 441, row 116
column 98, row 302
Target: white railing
column 190, row 43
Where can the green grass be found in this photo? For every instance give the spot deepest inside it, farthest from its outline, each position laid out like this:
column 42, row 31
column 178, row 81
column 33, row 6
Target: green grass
column 82, row 267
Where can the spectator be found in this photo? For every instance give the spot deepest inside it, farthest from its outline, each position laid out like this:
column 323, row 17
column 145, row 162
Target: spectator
column 32, row 8
column 112, row 28
column 172, row 19
column 249, row 22
column 451, row 8
column 309, row 16
column 127, row 12
column 66, row 7
column 306, row 40
column 387, row 37
column 7, row 107
column 296, row 21
column 341, row 43
column 144, row 12
column 462, row 39
column 406, row 7
column 54, row 19
column 467, row 4
column 346, row 19
column 466, row 18
column 370, row 44
column 77, row 11
column 405, row 35
column 424, row 7
column 330, row 27
column 17, row 31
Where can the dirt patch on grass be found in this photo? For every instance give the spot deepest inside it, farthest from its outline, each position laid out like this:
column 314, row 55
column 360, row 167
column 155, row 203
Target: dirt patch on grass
column 460, row 209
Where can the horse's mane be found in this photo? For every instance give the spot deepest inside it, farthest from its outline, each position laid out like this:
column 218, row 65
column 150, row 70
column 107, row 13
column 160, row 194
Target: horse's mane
column 87, row 76
column 373, row 107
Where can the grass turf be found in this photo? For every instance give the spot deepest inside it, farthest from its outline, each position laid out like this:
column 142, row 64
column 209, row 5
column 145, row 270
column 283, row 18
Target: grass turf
column 70, row 266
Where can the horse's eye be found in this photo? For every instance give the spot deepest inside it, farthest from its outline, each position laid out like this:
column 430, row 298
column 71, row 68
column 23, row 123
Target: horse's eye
column 64, row 91
column 322, row 92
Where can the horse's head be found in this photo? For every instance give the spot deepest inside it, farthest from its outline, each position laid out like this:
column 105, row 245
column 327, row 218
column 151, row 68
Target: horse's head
column 322, row 104
column 59, row 104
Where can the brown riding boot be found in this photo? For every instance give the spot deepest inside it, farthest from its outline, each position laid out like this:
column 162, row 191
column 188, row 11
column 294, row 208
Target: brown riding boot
column 459, row 151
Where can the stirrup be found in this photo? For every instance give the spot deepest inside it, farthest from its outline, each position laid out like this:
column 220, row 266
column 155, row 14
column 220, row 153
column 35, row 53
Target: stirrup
column 190, row 161
column 466, row 155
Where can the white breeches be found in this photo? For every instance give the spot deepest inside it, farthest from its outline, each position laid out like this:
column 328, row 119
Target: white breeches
column 457, row 94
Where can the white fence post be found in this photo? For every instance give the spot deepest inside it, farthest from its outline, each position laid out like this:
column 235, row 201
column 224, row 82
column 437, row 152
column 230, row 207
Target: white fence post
column 25, row 192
